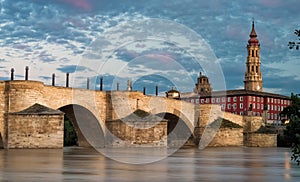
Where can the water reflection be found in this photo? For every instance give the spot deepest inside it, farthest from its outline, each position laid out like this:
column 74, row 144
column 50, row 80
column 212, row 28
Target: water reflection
column 211, row 164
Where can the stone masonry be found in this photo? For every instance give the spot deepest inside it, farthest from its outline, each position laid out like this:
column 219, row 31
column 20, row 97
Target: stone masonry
column 35, row 127
column 17, row 95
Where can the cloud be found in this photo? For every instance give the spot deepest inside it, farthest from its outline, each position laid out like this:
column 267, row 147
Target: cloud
column 72, row 68
column 49, row 36
column 82, row 4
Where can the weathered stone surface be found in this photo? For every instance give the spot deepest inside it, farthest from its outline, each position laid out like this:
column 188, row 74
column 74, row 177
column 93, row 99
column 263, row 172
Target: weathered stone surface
column 35, row 131
column 222, row 137
column 139, row 129
column 252, row 123
column 260, row 140
column 17, row 95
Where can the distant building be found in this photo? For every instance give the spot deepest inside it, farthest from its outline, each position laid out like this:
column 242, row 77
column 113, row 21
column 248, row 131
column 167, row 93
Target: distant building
column 173, row 94
column 248, row 101
column 202, row 85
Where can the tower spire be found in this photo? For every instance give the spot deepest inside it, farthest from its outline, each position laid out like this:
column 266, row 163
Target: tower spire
column 253, row 41
column 253, row 33
column 253, row 75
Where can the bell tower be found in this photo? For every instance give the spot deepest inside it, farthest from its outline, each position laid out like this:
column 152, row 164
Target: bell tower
column 202, row 85
column 253, row 75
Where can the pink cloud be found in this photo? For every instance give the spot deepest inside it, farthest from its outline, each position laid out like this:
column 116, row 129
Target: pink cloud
column 164, row 58
column 271, row 3
column 83, row 4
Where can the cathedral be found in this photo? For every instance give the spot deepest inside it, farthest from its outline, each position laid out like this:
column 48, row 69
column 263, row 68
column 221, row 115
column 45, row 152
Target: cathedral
column 248, row 101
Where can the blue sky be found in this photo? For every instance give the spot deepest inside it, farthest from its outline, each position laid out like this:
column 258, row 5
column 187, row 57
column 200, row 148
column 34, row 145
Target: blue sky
column 55, row 36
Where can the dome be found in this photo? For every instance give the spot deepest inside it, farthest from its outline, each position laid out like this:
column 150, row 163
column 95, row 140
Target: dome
column 253, row 41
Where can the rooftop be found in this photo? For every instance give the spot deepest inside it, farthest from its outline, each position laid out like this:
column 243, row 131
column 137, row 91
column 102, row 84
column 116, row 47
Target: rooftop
column 39, row 110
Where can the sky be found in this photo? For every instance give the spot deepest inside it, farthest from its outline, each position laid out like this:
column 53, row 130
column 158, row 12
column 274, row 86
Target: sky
column 157, row 42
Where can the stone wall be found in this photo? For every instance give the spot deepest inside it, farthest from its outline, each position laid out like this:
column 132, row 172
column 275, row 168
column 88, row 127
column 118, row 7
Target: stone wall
column 121, row 103
column 228, row 137
column 2, row 112
column 209, row 113
column 18, row 95
column 137, row 134
column 260, row 140
column 238, row 119
column 35, row 131
column 223, row 137
column 252, row 123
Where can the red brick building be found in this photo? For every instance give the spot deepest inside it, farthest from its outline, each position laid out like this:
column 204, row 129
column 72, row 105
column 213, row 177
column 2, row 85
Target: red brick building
column 248, row 101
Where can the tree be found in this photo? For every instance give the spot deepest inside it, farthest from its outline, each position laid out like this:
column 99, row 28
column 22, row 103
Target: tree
column 293, row 128
column 293, row 45
column 293, row 109
column 293, row 131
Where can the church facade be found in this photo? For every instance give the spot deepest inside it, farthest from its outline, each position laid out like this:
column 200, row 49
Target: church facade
column 248, row 101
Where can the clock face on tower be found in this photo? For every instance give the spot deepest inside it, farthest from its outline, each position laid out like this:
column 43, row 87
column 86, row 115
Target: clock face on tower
column 257, row 87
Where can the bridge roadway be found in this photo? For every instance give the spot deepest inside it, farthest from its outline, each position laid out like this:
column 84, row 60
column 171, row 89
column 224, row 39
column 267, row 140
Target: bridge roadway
column 99, row 106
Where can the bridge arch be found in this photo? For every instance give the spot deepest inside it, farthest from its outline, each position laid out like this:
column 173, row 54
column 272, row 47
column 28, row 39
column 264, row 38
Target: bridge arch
column 87, row 127
column 179, row 129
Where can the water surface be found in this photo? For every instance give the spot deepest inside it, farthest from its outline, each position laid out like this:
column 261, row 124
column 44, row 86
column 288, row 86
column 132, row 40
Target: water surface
column 210, row 164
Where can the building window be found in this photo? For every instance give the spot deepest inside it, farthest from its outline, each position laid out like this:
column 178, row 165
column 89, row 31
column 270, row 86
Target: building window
column 258, row 106
column 258, row 99
column 234, row 106
column 275, row 116
column 193, row 101
column 228, row 106
column 268, row 99
column 213, row 100
column 223, row 106
column 223, row 99
column 197, row 101
column 275, row 108
column 218, row 100
column 202, row 101
column 234, row 99
column 261, row 106
column 241, row 98
column 253, row 106
column 228, row 99
column 253, row 98
column 275, row 101
column 242, row 113
column 281, row 101
column 207, row 100
column 241, row 105
column 288, row 102
column 272, row 116
column 268, row 115
column 271, row 100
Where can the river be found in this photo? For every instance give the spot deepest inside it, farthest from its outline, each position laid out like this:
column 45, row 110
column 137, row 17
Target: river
column 210, row 164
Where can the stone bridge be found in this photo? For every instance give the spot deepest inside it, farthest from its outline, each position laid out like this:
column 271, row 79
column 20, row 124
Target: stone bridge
column 89, row 110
